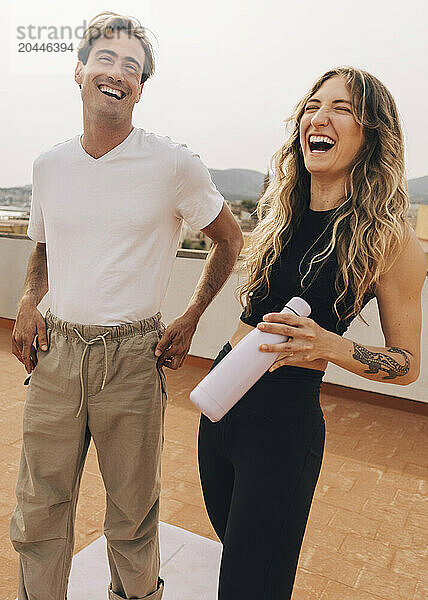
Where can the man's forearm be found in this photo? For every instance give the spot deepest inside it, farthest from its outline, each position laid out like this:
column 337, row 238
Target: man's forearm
column 217, row 269
column 390, row 365
column 36, row 281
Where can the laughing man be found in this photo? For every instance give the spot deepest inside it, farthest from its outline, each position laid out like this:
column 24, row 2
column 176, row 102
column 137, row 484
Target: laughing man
column 106, row 216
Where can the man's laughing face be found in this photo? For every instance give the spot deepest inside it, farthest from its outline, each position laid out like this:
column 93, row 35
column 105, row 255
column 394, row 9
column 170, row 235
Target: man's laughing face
column 111, row 78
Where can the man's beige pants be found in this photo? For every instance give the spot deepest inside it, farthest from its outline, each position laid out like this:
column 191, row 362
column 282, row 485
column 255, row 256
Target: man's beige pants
column 101, row 382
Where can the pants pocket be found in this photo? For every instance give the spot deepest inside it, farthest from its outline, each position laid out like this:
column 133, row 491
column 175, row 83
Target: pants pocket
column 162, row 379
column 39, row 353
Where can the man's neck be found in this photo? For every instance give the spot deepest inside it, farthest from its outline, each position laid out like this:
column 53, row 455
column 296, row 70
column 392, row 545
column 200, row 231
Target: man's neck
column 99, row 136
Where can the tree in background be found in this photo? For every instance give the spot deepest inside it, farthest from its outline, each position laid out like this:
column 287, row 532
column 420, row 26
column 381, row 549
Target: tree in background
column 266, row 181
column 187, row 244
column 248, row 205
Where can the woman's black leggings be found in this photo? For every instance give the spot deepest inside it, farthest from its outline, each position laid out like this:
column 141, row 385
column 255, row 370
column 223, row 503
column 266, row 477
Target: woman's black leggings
column 259, row 466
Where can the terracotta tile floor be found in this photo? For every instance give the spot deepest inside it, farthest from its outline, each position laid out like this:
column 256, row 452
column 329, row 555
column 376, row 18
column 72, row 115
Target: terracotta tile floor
column 367, row 534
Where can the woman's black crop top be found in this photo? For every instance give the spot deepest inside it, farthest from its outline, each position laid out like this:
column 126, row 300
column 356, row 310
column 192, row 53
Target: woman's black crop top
column 318, row 287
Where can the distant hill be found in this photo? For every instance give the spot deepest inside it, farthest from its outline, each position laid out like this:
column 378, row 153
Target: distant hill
column 233, row 184
column 19, row 197
column 418, row 190
column 238, row 184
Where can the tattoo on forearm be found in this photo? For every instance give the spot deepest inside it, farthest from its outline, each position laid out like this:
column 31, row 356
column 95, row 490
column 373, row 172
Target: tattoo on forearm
column 377, row 361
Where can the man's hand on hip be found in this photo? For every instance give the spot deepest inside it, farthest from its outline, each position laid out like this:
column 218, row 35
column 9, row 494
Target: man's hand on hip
column 29, row 323
column 175, row 342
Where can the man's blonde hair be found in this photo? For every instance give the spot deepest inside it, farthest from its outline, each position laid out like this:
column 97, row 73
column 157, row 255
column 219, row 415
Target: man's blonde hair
column 104, row 24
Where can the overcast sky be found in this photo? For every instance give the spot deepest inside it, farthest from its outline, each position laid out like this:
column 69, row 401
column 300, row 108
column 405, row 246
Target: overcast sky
column 228, row 73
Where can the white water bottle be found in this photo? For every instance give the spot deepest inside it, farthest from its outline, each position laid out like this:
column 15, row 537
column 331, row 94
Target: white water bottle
column 239, row 370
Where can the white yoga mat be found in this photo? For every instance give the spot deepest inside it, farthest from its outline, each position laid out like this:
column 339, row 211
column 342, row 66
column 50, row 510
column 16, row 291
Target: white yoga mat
column 189, row 566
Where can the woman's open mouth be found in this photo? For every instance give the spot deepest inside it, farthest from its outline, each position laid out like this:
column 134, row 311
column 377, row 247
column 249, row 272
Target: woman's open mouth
column 320, row 144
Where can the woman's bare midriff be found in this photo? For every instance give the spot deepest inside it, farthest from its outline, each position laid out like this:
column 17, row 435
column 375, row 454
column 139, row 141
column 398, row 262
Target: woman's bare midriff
column 243, row 329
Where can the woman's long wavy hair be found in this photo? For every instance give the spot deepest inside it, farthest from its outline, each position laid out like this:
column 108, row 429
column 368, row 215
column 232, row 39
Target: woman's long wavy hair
column 368, row 229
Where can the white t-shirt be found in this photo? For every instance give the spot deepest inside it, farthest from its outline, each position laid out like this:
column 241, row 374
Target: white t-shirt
column 112, row 224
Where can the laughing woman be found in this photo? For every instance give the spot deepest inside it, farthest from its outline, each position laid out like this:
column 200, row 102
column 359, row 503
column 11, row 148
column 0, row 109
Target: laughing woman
column 332, row 229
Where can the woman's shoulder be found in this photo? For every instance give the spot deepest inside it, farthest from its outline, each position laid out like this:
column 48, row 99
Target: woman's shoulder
column 406, row 268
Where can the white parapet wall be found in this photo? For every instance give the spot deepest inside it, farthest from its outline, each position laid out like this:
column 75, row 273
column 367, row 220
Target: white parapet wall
column 14, row 254
column 220, row 319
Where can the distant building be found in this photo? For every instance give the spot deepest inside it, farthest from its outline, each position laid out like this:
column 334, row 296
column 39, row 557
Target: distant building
column 422, row 227
column 246, row 220
column 234, row 207
column 422, row 222
column 247, row 240
column 192, row 239
column 11, row 212
column 15, row 226
column 13, row 220
column 412, row 215
column 16, row 197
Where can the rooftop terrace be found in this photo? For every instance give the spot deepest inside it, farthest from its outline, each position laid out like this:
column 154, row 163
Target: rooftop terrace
column 367, row 533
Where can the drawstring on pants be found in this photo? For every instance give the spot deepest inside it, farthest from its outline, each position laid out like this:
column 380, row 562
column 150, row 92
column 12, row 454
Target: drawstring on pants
column 87, row 344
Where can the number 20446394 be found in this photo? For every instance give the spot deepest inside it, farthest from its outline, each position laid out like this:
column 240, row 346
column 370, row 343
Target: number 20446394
column 45, row 47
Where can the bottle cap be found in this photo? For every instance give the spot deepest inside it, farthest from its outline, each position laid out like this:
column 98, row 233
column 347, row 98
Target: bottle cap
column 300, row 306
